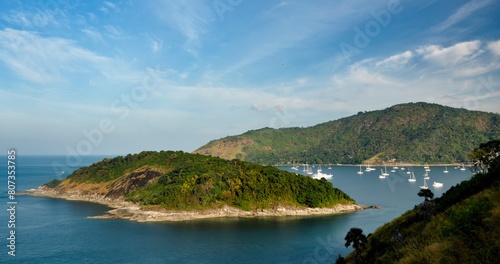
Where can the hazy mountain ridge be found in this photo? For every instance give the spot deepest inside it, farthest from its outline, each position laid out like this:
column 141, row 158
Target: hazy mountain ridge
column 412, row 132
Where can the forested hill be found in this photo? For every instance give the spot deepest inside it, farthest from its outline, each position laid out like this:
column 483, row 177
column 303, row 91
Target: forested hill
column 412, row 132
column 179, row 180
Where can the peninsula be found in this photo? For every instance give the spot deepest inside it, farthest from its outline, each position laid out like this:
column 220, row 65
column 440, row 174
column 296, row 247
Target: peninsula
column 177, row 186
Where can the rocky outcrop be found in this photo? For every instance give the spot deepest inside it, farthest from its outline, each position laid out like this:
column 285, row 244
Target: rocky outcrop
column 131, row 211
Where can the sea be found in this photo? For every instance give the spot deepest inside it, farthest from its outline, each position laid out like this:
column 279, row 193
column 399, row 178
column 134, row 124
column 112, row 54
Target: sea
column 54, row 231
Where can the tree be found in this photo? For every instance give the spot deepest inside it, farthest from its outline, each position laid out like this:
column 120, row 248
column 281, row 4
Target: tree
column 486, row 156
column 358, row 240
column 426, row 206
column 426, row 193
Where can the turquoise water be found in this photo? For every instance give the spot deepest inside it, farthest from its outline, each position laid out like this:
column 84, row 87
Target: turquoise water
column 57, row 231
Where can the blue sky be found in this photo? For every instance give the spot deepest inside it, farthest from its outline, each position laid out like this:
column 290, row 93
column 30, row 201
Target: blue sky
column 118, row 77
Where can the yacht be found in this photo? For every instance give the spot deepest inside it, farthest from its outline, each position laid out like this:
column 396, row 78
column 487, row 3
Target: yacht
column 412, row 178
column 360, row 171
column 382, row 174
column 424, row 187
column 319, row 174
column 437, row 184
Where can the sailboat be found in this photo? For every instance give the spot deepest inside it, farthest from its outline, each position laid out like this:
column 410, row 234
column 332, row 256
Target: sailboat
column 360, row 171
column 385, row 173
column 294, row 167
column 412, row 178
column 381, row 176
column 426, row 176
column 446, row 170
column 424, row 187
column 463, row 167
column 306, row 169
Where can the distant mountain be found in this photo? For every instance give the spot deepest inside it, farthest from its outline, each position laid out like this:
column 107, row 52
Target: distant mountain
column 412, row 132
column 181, row 181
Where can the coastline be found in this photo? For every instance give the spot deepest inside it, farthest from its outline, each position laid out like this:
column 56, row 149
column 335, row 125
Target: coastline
column 130, row 211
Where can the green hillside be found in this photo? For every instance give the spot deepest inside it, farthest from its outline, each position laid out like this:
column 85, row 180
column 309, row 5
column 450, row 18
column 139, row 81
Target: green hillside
column 459, row 227
column 412, row 132
column 178, row 180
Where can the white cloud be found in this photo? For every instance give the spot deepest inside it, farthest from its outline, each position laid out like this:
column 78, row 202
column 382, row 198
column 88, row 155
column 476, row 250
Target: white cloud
column 113, row 32
column 18, row 18
column 458, row 53
column 494, row 47
column 463, row 13
column 396, row 61
column 447, row 75
column 189, row 18
column 44, row 60
column 92, row 34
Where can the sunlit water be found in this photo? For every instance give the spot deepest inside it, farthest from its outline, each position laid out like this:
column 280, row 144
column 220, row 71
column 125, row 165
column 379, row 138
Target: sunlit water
column 57, row 231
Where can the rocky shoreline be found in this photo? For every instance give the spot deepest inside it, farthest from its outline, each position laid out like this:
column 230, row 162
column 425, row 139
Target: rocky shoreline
column 127, row 210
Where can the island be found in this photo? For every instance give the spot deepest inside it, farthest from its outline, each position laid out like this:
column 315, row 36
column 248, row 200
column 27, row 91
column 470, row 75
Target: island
column 176, row 186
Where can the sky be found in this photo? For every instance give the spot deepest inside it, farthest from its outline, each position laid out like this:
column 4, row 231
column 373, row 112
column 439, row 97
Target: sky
column 119, row 77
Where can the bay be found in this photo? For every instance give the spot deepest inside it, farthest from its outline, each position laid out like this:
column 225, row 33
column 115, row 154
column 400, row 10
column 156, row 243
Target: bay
column 57, row 231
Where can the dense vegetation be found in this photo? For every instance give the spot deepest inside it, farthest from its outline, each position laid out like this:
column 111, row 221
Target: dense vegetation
column 459, row 227
column 191, row 181
column 413, row 132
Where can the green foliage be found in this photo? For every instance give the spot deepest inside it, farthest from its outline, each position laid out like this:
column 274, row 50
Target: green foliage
column 53, row 183
column 426, row 193
column 358, row 240
column 194, row 181
column 413, row 132
column 111, row 169
column 486, row 156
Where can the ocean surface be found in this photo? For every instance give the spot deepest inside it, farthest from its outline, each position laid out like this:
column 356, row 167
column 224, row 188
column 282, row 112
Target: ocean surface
column 57, row 231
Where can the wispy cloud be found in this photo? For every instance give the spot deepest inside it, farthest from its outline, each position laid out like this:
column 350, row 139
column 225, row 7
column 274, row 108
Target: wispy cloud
column 189, row 18
column 463, row 13
column 44, row 60
column 93, row 34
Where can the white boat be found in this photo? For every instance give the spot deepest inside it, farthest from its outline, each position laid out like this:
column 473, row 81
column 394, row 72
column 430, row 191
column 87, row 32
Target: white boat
column 306, row 169
column 463, row 167
column 360, row 171
column 393, row 169
column 446, row 170
column 412, row 178
column 385, row 173
column 424, row 187
column 382, row 174
column 426, row 176
column 437, row 184
column 319, row 174
column 295, row 167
